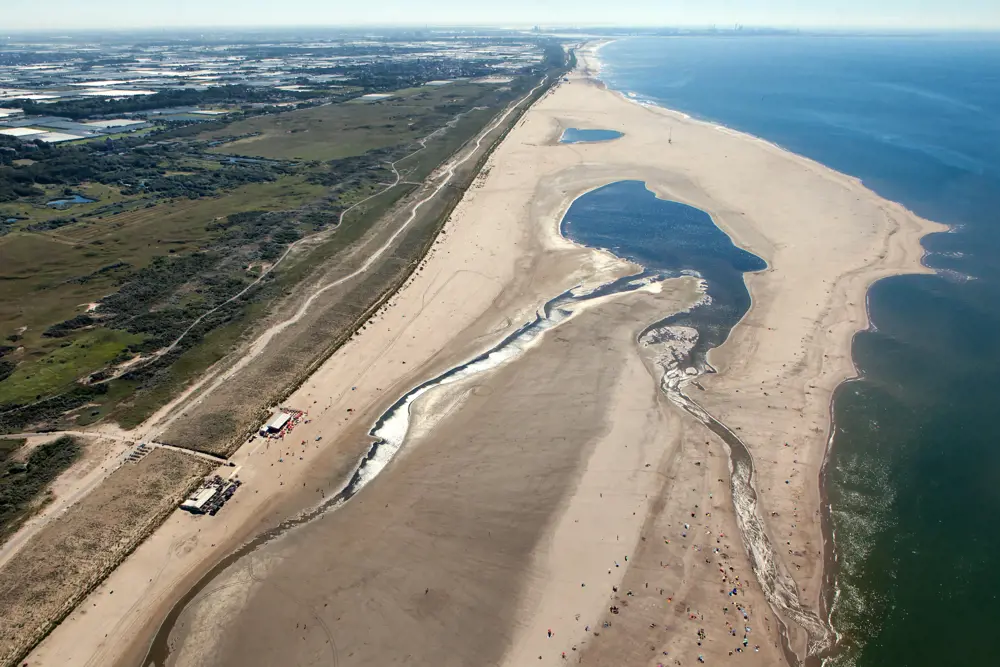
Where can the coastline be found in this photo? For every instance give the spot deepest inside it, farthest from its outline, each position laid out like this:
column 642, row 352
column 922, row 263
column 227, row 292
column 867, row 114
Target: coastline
column 181, row 550
column 564, row 177
column 827, row 602
column 838, row 179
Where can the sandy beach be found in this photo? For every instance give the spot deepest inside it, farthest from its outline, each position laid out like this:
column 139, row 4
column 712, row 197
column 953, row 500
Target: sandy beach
column 499, row 534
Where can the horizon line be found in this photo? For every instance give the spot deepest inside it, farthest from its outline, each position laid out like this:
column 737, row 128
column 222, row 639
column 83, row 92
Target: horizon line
column 543, row 29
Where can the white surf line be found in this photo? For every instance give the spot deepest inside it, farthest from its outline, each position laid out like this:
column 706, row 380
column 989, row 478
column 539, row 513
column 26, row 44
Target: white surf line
column 451, row 167
column 392, row 427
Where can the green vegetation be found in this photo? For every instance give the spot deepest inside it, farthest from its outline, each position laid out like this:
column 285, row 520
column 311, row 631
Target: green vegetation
column 183, row 220
column 354, row 128
column 7, row 447
column 23, row 484
column 33, row 210
column 47, row 278
column 133, row 407
column 85, row 108
column 59, row 369
column 7, row 366
column 26, row 169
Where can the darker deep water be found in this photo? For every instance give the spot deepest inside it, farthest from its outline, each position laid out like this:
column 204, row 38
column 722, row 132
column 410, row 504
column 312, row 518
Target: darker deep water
column 915, row 465
column 674, row 239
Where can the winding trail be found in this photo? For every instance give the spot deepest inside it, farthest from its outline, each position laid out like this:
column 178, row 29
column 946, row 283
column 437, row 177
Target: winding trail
column 340, row 221
column 145, row 361
column 444, row 176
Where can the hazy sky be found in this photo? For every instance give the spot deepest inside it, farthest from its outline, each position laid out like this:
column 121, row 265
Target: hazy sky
column 60, row 14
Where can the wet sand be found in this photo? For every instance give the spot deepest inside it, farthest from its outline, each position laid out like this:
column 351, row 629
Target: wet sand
column 484, row 519
column 443, row 543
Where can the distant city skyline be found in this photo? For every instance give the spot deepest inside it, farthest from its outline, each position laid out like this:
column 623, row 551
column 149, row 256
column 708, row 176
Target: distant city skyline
column 881, row 14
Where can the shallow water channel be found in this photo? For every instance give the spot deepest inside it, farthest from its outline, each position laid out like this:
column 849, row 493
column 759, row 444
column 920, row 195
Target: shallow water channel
column 669, row 240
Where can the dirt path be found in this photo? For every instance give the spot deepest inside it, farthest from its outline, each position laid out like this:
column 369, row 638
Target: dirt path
column 164, row 417
column 81, row 486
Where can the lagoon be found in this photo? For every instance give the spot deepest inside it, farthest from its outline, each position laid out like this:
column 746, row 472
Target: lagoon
column 574, row 135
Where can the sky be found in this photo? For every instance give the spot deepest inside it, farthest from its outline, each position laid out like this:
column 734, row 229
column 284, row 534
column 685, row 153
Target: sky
column 116, row 14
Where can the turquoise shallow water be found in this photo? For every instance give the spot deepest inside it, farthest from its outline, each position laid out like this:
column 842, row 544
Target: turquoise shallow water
column 914, row 475
column 573, row 135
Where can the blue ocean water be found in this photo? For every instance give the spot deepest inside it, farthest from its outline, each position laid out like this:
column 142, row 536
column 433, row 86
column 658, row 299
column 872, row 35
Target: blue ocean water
column 914, row 475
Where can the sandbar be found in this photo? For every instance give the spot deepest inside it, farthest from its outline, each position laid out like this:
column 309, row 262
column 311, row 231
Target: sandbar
column 411, row 568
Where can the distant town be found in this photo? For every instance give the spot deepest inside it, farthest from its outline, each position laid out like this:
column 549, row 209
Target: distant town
column 80, row 88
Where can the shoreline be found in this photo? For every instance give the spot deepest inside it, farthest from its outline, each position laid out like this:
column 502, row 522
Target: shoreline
column 591, row 177
column 935, row 228
column 178, row 536
column 592, row 167
column 827, row 602
column 361, row 477
column 830, row 573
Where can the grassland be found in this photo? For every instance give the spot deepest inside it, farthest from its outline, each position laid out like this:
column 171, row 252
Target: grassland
column 51, row 276
column 129, row 408
column 353, row 128
column 61, row 367
column 61, row 266
column 48, row 577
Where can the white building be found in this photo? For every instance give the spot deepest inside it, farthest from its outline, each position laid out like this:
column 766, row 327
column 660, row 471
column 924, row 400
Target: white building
column 196, row 503
column 278, row 422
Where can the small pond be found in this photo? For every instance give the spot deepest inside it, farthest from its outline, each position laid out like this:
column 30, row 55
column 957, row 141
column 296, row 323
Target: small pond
column 69, row 201
column 574, row 135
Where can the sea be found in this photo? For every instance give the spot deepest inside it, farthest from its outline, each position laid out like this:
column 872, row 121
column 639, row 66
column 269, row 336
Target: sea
column 913, row 478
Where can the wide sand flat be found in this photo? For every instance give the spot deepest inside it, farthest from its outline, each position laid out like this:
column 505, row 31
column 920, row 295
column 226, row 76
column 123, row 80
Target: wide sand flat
column 443, row 540
column 489, row 599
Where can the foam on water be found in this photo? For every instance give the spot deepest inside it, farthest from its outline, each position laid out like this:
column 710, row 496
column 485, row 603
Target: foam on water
column 391, row 429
